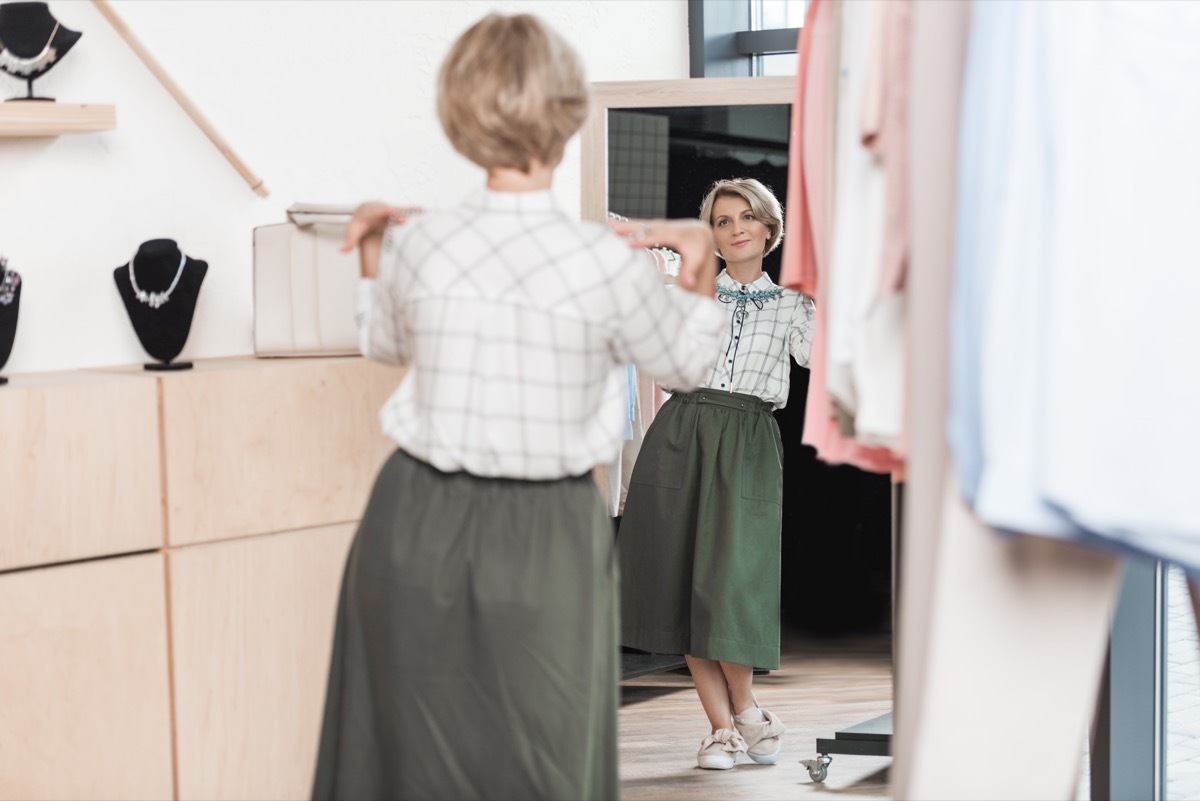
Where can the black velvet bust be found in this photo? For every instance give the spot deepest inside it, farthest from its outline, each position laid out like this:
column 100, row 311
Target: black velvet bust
column 163, row 331
column 25, row 31
column 8, row 323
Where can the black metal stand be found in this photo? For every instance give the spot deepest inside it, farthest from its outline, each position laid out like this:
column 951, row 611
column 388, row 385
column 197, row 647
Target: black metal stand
column 871, row 737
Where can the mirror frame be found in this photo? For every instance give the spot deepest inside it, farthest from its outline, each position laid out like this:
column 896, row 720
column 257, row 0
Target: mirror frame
column 685, row 92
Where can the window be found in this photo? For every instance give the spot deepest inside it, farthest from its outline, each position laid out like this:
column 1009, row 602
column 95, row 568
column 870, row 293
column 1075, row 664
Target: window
column 768, row 14
column 742, row 38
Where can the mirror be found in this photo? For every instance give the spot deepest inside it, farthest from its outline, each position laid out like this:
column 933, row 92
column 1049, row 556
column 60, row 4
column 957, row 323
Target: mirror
column 743, row 119
column 653, row 148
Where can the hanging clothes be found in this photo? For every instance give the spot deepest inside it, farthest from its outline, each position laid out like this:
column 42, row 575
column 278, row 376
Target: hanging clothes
column 798, row 270
column 855, row 240
column 892, row 146
column 1074, row 288
column 878, row 360
column 1124, row 283
column 982, row 169
column 810, row 225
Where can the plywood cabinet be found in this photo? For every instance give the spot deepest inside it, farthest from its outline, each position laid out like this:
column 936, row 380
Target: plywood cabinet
column 254, row 446
column 252, row 621
column 196, row 668
column 79, row 467
column 84, row 682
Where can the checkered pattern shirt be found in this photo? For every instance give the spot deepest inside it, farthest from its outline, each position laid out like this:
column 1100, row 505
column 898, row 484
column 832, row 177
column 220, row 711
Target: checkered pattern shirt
column 759, row 335
column 515, row 322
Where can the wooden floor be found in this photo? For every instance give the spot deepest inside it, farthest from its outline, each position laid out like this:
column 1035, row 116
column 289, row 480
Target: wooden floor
column 821, row 686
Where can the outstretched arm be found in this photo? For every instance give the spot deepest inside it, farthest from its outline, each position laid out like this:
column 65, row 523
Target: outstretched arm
column 691, row 239
column 365, row 231
column 380, row 330
column 671, row 334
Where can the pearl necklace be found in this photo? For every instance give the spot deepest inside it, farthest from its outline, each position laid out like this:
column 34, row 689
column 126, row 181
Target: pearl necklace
column 155, row 299
column 18, row 65
column 9, row 281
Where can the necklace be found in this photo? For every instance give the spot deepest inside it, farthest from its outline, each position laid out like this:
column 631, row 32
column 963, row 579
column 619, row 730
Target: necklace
column 740, row 299
column 728, row 295
column 17, row 65
column 155, row 299
column 9, row 281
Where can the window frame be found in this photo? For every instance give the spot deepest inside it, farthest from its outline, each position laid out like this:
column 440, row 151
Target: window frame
column 722, row 42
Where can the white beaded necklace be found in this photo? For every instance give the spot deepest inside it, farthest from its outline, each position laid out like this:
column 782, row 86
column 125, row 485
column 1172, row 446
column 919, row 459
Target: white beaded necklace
column 155, row 299
column 18, row 65
column 9, row 281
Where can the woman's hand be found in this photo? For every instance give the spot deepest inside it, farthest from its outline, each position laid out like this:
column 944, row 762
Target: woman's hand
column 365, row 231
column 691, row 239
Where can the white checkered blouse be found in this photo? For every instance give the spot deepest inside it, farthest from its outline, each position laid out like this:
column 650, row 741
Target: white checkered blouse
column 515, row 322
column 759, row 335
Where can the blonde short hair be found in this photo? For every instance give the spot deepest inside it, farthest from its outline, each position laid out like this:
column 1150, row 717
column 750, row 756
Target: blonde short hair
column 763, row 205
column 510, row 91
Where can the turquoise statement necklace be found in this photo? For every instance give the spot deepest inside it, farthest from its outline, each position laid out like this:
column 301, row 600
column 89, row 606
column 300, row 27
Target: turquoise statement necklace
column 762, row 295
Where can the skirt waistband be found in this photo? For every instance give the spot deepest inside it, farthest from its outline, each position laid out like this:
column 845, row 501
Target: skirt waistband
column 732, row 400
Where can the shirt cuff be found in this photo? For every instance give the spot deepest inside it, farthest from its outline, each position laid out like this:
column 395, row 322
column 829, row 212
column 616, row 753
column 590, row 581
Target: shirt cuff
column 366, row 295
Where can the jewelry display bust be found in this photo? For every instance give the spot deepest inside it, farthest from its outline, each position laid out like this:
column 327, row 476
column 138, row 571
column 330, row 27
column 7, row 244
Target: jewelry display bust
column 32, row 41
column 159, row 286
column 10, row 303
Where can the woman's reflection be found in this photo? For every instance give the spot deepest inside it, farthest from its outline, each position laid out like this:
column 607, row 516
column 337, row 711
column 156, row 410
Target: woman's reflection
column 700, row 536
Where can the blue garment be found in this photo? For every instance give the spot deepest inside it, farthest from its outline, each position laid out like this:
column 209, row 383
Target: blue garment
column 1073, row 395
column 982, row 168
column 631, row 400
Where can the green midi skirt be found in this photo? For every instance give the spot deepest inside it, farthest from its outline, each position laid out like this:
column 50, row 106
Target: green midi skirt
column 700, row 538
column 475, row 652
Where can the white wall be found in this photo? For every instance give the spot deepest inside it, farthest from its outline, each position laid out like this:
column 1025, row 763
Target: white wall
column 326, row 101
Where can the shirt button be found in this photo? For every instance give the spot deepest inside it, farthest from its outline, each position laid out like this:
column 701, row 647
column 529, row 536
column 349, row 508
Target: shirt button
column 722, row 385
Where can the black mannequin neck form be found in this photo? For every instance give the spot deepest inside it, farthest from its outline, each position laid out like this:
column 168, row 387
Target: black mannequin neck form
column 8, row 328
column 163, row 331
column 25, row 29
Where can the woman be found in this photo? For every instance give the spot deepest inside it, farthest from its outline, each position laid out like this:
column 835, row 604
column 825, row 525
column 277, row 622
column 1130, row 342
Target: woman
column 475, row 651
column 700, row 537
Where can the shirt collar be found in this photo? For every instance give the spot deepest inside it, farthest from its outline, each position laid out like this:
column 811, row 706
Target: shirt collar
column 760, row 284
column 540, row 201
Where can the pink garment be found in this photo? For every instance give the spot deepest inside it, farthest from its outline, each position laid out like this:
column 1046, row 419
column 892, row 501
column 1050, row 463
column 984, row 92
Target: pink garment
column 798, row 270
column 875, row 83
column 820, row 116
column 810, row 220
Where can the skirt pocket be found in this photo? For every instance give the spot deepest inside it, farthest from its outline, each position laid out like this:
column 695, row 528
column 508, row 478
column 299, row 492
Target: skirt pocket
column 762, row 461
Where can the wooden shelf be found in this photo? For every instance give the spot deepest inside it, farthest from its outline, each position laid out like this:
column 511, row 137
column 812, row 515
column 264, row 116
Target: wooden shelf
column 47, row 118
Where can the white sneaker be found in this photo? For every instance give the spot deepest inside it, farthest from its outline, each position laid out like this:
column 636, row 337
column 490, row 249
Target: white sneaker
column 761, row 730
column 719, row 750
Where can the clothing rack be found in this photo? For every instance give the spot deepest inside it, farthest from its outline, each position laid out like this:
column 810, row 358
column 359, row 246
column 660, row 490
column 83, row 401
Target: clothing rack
column 872, row 737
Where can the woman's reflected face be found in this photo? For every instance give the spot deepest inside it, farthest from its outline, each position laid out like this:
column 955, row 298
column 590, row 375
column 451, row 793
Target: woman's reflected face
column 740, row 236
